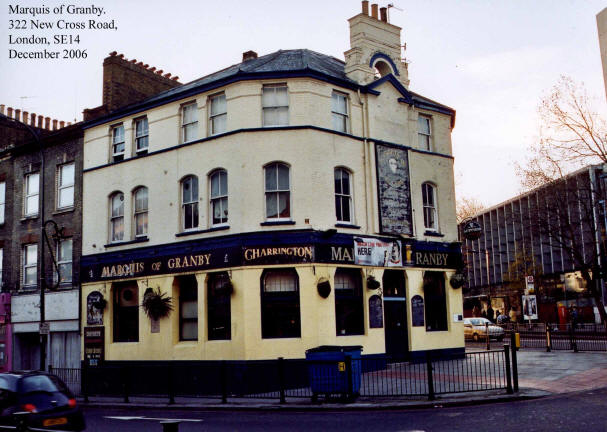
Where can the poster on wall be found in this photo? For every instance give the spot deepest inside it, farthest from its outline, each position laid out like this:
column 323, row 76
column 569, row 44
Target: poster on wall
column 530, row 307
column 94, row 346
column 374, row 252
column 376, row 319
column 393, row 189
column 94, row 313
column 417, row 311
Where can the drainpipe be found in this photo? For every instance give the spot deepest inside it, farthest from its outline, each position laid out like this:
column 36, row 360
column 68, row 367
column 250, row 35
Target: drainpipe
column 367, row 163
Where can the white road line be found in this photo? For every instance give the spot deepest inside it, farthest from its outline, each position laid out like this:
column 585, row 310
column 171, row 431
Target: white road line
column 150, row 418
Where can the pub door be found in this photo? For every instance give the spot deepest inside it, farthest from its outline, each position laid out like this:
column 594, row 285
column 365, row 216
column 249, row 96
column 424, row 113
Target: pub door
column 395, row 315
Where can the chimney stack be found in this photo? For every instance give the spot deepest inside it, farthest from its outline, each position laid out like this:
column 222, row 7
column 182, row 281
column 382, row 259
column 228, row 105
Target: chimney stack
column 248, row 55
column 366, row 7
column 47, row 123
column 9, row 112
column 18, row 114
column 54, row 124
column 383, row 13
column 33, row 119
column 61, row 124
column 374, row 11
column 25, row 117
column 40, row 122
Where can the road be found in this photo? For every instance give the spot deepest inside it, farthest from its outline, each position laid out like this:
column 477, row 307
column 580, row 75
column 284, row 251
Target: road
column 584, row 411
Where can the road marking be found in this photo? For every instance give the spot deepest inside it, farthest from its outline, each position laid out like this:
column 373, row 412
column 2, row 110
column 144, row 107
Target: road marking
column 150, row 418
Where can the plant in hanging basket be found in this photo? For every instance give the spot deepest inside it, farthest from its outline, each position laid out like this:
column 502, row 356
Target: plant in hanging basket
column 372, row 283
column 156, row 304
column 457, row 280
column 100, row 304
column 324, row 287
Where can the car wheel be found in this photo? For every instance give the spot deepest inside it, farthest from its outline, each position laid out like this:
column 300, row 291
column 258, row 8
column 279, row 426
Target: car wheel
column 475, row 337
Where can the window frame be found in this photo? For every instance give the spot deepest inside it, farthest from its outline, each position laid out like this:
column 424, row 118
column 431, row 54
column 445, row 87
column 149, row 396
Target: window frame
column 435, row 304
column 274, row 108
column 279, row 307
column 341, row 196
column 62, row 187
column 122, row 313
column 140, row 212
column 27, row 195
column 430, row 210
column 219, row 199
column 193, row 202
column 65, row 262
column 218, row 298
column 193, row 124
column 25, row 265
column 342, row 116
column 118, row 155
column 188, row 293
column 219, row 115
column 115, row 218
column 144, row 136
column 426, row 137
column 277, row 192
column 349, row 303
column 2, row 202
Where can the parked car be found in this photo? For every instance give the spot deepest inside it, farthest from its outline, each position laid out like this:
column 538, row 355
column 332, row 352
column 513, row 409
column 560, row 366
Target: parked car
column 475, row 329
column 50, row 404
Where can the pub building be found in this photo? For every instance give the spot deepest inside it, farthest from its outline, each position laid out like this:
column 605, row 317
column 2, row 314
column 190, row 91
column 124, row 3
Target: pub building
column 341, row 227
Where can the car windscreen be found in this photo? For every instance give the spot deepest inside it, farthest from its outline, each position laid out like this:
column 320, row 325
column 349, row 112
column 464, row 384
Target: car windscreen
column 36, row 383
column 7, row 384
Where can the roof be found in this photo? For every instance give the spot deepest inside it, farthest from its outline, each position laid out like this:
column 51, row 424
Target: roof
column 279, row 64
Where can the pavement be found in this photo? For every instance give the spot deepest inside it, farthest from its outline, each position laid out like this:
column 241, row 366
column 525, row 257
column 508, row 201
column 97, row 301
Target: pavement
column 540, row 374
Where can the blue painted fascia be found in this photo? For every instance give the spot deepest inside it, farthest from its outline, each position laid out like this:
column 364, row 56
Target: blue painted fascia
column 380, row 55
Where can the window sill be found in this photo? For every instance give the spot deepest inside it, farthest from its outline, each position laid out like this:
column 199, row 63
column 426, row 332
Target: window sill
column 123, row 243
column 193, row 232
column 63, row 210
column 275, row 223
column 346, row 225
column 433, row 234
column 29, row 218
column 350, row 334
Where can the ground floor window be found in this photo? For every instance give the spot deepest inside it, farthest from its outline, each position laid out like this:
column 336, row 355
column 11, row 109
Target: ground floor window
column 126, row 312
column 218, row 306
column 435, row 301
column 349, row 315
column 280, row 316
column 188, row 307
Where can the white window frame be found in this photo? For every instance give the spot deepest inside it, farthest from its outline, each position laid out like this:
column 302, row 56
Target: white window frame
column 65, row 187
column 142, row 136
column 116, row 218
column 277, row 192
column 193, row 202
column 66, row 261
column 341, row 195
column 216, row 115
column 430, row 208
column 27, row 264
column 28, row 194
column 118, row 139
column 424, row 138
column 219, row 198
column 267, row 108
column 189, row 124
column 2, row 201
column 141, row 213
column 339, row 118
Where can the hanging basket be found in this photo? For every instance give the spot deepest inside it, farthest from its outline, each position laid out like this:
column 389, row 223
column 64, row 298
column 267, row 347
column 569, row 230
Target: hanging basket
column 324, row 287
column 100, row 304
column 372, row 283
column 156, row 304
column 457, row 280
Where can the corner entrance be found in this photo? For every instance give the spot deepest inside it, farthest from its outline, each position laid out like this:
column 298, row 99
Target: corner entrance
column 395, row 314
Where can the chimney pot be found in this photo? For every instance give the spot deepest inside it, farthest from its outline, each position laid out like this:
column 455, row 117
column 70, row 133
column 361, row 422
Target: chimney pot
column 2, row 109
column 9, row 112
column 146, row 65
column 134, row 61
column 153, row 68
column 54, row 124
column 61, row 124
column 121, row 55
column 33, row 119
column 249, row 55
column 374, row 11
column 18, row 114
column 383, row 13
column 175, row 78
column 167, row 75
column 47, row 123
column 159, row 71
column 25, row 117
column 113, row 54
column 366, row 7
column 140, row 63
column 40, row 122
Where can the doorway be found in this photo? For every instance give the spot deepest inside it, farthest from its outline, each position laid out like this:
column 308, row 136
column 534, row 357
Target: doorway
column 395, row 314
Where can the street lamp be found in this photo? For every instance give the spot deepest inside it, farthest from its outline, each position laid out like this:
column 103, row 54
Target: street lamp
column 44, row 238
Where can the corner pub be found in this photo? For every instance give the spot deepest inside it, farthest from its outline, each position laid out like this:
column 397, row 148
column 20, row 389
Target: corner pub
column 341, row 227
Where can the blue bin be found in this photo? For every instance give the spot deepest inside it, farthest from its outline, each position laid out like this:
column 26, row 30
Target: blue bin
column 327, row 369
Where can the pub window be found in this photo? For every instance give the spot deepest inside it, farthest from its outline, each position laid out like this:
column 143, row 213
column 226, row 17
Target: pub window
column 349, row 315
column 218, row 307
column 188, row 308
column 126, row 312
column 435, row 301
column 280, row 317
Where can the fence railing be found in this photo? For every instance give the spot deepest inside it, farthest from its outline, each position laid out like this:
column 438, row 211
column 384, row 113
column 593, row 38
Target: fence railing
column 282, row 379
column 70, row 376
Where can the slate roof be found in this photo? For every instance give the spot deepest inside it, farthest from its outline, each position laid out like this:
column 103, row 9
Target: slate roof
column 279, row 64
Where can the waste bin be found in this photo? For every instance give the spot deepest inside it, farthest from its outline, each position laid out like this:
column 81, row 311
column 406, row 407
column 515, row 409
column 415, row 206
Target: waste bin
column 334, row 370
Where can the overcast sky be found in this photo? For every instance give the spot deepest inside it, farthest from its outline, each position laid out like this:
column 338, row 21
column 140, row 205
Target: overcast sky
column 490, row 60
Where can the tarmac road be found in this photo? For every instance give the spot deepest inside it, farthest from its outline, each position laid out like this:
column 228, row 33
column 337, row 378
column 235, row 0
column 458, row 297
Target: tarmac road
column 583, row 411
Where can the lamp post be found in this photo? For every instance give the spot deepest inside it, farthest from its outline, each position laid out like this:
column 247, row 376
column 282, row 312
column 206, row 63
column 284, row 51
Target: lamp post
column 44, row 239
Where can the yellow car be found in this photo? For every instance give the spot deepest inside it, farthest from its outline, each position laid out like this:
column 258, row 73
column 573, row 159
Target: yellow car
column 476, row 329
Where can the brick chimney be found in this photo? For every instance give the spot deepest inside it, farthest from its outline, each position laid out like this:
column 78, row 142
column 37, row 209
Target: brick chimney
column 129, row 81
column 248, row 55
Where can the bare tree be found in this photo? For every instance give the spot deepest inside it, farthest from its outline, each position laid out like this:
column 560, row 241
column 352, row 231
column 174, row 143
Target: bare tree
column 467, row 208
column 569, row 198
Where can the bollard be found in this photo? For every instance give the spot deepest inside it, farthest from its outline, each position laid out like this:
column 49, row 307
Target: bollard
column 487, row 335
column 508, row 375
column 431, row 395
column 572, row 340
column 548, row 339
column 170, row 425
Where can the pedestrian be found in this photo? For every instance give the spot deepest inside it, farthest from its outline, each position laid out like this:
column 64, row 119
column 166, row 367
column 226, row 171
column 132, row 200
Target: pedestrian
column 490, row 313
column 512, row 315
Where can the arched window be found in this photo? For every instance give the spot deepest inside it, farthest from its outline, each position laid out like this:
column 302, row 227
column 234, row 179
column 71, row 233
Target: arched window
column 278, row 194
column 429, row 200
column 189, row 202
column 280, row 317
column 343, row 196
column 140, row 211
column 349, row 314
column 219, row 197
column 117, row 217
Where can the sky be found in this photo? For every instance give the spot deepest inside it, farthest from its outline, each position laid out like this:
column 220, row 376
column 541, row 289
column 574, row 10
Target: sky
column 489, row 60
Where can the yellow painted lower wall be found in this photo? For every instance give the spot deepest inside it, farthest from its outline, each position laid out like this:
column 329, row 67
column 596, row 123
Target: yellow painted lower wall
column 318, row 325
